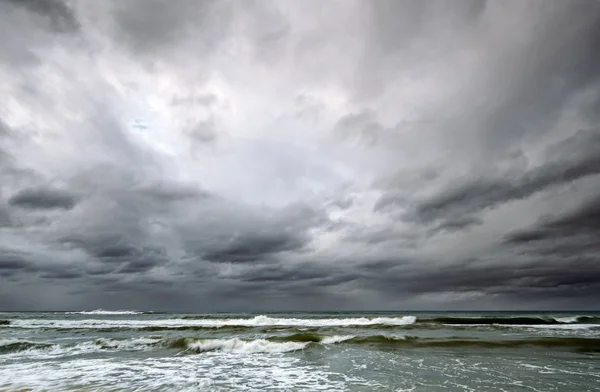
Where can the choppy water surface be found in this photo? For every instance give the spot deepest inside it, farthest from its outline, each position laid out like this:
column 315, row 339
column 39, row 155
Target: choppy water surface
column 134, row 351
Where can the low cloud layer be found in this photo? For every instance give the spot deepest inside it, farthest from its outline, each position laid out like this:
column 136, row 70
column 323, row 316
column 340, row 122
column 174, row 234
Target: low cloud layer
column 218, row 155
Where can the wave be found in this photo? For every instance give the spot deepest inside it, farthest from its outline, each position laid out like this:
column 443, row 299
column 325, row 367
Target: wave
column 275, row 344
column 290, row 343
column 186, row 345
column 269, row 324
column 159, row 328
column 312, row 337
column 239, row 346
column 324, row 322
column 258, row 321
column 398, row 341
column 577, row 344
column 585, row 319
column 526, row 320
column 13, row 346
column 336, row 339
column 102, row 312
column 43, row 349
column 4, row 322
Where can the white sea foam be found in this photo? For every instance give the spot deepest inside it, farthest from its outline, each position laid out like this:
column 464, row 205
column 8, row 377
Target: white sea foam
column 102, row 312
column 566, row 327
column 236, row 345
column 129, row 344
column 6, row 342
column 336, row 339
column 257, row 321
column 210, row 372
column 41, row 350
column 395, row 337
column 567, row 320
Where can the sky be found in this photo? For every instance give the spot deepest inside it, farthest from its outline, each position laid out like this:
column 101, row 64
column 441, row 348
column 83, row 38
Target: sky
column 299, row 155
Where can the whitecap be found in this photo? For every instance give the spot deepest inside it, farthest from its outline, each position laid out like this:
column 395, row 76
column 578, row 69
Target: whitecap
column 257, row 321
column 567, row 320
column 336, row 339
column 236, row 345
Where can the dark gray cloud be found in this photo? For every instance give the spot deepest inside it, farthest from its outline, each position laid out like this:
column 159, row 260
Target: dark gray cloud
column 569, row 160
column 12, row 262
column 39, row 23
column 155, row 26
column 60, row 275
column 573, row 233
column 43, row 199
column 439, row 154
column 58, row 12
column 253, row 247
column 5, row 218
column 572, row 58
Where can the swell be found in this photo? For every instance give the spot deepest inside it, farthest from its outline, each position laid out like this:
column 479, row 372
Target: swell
column 523, row 320
column 588, row 319
column 265, row 323
column 13, row 347
column 192, row 328
column 226, row 329
column 295, row 342
column 395, row 341
column 55, row 349
column 578, row 344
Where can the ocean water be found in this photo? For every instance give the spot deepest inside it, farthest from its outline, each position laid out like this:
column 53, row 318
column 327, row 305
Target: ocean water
column 340, row 351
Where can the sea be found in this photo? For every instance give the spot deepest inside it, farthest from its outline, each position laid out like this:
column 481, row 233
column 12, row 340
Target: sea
column 327, row 351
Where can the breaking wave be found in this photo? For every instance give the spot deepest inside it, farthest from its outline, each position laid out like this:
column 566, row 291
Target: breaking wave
column 336, row 339
column 189, row 345
column 159, row 328
column 13, row 346
column 312, row 337
column 236, row 345
column 271, row 324
column 38, row 349
column 324, row 322
column 258, row 321
column 295, row 342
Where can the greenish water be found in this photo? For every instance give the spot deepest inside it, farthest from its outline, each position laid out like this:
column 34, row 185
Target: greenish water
column 336, row 351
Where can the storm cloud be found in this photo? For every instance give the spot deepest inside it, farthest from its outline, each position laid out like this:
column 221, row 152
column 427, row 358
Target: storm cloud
column 220, row 155
column 42, row 199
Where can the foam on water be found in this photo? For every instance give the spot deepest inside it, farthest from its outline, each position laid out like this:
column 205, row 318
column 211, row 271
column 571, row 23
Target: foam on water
column 567, row 320
column 15, row 349
column 341, row 352
column 343, row 371
column 567, row 327
column 188, row 373
column 212, row 323
column 336, row 339
column 236, row 345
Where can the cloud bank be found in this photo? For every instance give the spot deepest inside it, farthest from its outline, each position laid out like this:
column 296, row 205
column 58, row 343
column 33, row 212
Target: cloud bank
column 273, row 155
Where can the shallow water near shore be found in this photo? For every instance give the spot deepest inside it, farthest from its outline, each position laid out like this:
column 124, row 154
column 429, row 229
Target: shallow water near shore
column 335, row 351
